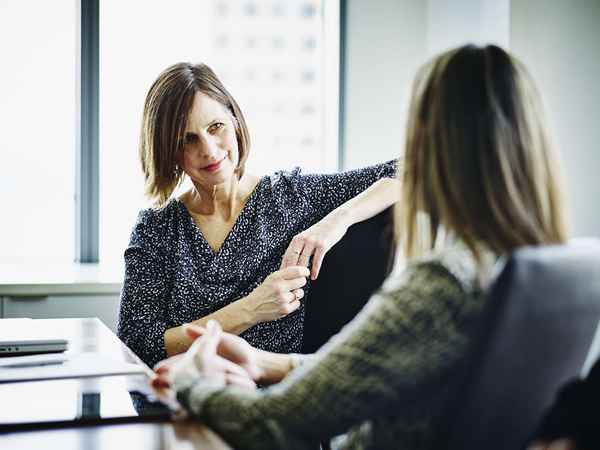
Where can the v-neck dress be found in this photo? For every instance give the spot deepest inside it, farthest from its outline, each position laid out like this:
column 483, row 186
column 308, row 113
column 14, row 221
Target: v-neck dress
column 173, row 276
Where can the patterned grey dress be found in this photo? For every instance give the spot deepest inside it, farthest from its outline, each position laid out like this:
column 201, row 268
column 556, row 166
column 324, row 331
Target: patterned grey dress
column 173, row 276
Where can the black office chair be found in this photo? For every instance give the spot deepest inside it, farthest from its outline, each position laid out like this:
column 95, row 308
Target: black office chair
column 537, row 329
column 352, row 270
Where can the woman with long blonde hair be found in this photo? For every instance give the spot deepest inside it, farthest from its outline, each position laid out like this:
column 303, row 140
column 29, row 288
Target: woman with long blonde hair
column 479, row 180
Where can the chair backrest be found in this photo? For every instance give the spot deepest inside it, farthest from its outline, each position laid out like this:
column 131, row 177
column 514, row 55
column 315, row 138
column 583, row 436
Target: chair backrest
column 538, row 326
column 352, row 270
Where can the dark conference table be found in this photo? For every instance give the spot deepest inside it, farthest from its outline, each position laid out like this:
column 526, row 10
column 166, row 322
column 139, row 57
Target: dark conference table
column 92, row 336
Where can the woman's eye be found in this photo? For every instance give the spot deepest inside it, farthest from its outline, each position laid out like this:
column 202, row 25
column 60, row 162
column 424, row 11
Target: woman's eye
column 215, row 127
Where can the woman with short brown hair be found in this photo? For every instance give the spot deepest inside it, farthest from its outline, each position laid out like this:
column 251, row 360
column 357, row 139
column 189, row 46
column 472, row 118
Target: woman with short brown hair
column 235, row 247
column 479, row 179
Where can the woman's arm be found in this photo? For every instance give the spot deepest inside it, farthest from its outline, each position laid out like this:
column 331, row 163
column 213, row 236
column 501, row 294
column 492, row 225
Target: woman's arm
column 234, row 318
column 379, row 196
column 317, row 240
column 397, row 349
column 277, row 296
column 145, row 293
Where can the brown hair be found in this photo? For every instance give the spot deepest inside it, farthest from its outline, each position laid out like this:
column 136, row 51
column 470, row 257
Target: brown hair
column 479, row 163
column 164, row 122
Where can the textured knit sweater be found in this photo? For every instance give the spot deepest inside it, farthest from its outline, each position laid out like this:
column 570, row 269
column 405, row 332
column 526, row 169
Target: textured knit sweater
column 383, row 380
column 173, row 276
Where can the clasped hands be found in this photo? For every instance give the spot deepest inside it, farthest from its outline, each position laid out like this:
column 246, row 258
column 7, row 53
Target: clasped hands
column 216, row 357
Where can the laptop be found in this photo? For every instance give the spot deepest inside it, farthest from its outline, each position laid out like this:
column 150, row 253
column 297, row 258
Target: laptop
column 28, row 337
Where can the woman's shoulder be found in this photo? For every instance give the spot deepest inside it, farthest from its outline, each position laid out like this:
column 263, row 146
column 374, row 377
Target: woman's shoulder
column 446, row 278
column 282, row 179
column 157, row 216
column 158, row 221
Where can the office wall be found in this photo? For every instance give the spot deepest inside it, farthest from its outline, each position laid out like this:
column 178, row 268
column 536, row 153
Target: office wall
column 458, row 22
column 560, row 43
column 385, row 44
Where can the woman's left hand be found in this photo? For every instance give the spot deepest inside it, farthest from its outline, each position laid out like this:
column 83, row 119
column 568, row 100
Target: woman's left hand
column 315, row 242
column 202, row 360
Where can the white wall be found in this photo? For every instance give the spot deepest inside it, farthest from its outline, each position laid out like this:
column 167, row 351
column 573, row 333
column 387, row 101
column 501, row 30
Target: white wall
column 559, row 41
column 454, row 23
column 385, row 42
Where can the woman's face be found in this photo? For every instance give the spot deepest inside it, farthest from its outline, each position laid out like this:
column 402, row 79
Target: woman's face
column 210, row 152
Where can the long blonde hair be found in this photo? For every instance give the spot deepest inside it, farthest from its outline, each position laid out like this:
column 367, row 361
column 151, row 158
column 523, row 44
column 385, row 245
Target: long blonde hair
column 478, row 162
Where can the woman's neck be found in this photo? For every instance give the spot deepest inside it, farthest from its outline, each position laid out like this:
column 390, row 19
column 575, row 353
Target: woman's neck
column 224, row 199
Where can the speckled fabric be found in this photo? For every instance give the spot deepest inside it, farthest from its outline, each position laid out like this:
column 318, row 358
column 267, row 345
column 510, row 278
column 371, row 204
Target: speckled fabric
column 173, row 276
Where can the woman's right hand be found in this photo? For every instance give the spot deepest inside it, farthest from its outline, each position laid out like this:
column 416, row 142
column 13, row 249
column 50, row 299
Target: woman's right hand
column 278, row 295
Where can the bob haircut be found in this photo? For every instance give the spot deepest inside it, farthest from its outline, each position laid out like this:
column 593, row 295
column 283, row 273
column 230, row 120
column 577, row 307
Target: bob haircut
column 479, row 164
column 164, row 122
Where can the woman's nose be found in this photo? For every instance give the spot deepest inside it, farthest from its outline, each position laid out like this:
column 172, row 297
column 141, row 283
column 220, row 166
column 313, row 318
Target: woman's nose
column 209, row 147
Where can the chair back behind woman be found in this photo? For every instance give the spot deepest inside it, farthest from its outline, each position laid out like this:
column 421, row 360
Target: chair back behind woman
column 536, row 333
column 352, row 271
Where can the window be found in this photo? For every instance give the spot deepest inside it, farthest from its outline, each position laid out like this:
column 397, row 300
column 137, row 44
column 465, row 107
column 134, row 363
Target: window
column 270, row 55
column 279, row 58
column 37, row 113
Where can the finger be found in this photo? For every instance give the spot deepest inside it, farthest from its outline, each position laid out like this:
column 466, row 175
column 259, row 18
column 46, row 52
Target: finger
column 298, row 294
column 293, row 306
column 307, row 252
column 193, row 331
column 287, row 297
column 166, row 364
column 289, row 259
column 254, row 372
column 293, row 284
column 293, row 252
column 211, row 338
column 161, row 369
column 206, row 345
column 289, row 273
column 161, row 393
column 160, row 383
column 236, row 380
column 225, row 366
column 317, row 261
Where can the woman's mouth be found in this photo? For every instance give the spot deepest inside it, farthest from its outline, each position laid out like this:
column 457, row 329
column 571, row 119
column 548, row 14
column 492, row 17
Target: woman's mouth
column 214, row 166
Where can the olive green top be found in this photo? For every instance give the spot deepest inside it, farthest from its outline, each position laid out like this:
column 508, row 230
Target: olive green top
column 382, row 381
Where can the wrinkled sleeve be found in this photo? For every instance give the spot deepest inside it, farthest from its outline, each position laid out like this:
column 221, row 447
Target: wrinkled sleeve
column 145, row 292
column 394, row 351
column 327, row 192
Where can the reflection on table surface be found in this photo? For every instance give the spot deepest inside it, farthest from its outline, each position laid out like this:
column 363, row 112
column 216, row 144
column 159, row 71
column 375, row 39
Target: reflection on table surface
column 95, row 399
column 42, row 404
column 148, row 436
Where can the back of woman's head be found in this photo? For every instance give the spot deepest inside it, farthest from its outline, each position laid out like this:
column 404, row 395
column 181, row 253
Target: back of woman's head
column 479, row 163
